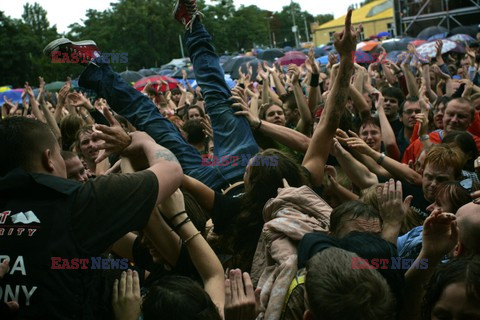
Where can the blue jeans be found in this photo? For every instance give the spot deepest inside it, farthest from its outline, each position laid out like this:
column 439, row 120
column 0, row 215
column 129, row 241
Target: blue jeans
column 231, row 134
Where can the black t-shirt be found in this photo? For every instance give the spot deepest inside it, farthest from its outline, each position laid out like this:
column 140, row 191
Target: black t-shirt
column 224, row 211
column 419, row 203
column 46, row 217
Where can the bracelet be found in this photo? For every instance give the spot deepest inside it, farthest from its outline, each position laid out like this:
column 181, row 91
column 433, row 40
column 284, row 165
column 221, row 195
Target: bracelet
column 178, row 226
column 382, row 157
column 191, row 237
column 176, row 215
column 425, row 137
column 259, row 125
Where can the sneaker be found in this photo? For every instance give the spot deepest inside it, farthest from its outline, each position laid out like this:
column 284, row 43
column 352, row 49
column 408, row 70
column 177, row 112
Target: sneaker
column 86, row 50
column 186, row 12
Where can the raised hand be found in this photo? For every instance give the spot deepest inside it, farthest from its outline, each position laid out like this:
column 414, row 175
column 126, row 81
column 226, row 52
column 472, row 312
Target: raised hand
column 207, row 126
column 126, row 298
column 440, row 234
column 77, row 99
column 294, row 72
column 115, row 138
column 253, row 120
column 240, row 298
column 423, row 119
column 393, row 208
column 344, row 41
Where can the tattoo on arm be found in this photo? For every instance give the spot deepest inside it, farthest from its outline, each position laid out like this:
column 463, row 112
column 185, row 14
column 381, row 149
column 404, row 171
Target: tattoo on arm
column 166, row 155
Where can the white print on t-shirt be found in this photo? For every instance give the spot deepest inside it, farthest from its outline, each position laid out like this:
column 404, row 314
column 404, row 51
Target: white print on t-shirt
column 26, row 218
column 19, row 219
column 12, row 292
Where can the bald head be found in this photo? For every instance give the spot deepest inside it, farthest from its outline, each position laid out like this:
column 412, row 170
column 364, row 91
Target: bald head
column 468, row 221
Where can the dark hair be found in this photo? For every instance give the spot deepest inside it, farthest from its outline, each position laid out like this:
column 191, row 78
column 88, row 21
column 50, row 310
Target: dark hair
column 194, row 131
column 370, row 121
column 461, row 270
column 441, row 100
column 21, row 141
column 264, row 108
column 410, row 99
column 200, row 110
column 69, row 126
column 180, row 298
column 394, row 93
column 351, row 210
column 454, row 193
column 466, row 143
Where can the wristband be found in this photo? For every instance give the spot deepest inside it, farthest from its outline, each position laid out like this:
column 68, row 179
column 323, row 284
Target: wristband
column 425, row 137
column 177, row 214
column 382, row 157
column 178, row 226
column 259, row 125
column 314, row 80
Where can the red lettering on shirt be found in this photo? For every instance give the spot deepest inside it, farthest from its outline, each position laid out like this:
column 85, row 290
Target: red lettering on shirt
column 3, row 216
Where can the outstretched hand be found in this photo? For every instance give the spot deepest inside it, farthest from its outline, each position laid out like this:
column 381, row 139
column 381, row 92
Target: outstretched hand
column 345, row 41
column 240, row 299
column 126, row 298
column 115, row 138
column 440, row 234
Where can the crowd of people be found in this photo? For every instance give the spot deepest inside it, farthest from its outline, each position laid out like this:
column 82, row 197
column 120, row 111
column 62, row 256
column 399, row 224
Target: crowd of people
column 344, row 191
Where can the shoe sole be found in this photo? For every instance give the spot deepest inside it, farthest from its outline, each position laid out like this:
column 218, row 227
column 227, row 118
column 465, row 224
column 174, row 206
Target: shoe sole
column 63, row 41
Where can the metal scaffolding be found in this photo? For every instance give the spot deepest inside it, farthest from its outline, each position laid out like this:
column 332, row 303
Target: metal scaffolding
column 412, row 16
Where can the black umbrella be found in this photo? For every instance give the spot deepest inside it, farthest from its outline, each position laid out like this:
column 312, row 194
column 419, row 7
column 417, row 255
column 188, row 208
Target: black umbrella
column 178, row 74
column 271, row 54
column 394, row 46
column 234, row 63
column 470, row 30
column 146, row 72
column 253, row 63
column 131, row 76
column 431, row 31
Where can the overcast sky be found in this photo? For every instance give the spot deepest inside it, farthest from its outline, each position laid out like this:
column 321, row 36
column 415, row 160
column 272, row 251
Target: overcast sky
column 66, row 12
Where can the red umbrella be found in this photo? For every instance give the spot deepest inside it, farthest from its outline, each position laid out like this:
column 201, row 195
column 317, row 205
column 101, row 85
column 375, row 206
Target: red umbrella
column 295, row 57
column 140, row 84
column 418, row 42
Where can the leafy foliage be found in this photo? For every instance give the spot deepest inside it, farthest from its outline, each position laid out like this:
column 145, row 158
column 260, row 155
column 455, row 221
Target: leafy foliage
column 144, row 29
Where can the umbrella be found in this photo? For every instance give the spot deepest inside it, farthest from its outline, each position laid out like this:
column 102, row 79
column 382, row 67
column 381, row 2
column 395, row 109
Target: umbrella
column 178, row 74
column 140, row 84
column 165, row 72
column 14, row 94
column 384, row 34
column 461, row 38
column 317, row 51
column 230, row 83
column 287, row 48
column 295, row 57
column 367, row 45
column 418, row 42
column 407, row 40
column 324, row 59
column 394, row 45
column 469, row 30
column 429, row 49
column 271, row 54
column 57, row 85
column 431, row 31
column 146, row 72
column 131, row 76
column 439, row 36
column 393, row 56
column 224, row 59
column 254, row 63
column 234, row 63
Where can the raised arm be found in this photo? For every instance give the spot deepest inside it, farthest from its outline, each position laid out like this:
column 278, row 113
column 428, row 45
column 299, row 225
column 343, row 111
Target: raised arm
column 305, row 123
column 388, row 136
column 322, row 138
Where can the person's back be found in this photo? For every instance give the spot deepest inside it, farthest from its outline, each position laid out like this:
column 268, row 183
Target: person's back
column 49, row 224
